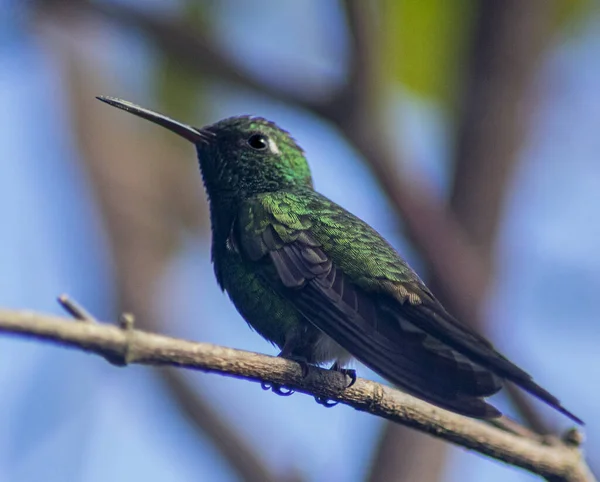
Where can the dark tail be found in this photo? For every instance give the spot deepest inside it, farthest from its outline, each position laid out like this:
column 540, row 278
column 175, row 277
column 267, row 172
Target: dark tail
column 533, row 388
column 464, row 340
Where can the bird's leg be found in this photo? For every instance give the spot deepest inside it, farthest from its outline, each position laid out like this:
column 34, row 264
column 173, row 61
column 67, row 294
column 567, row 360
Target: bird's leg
column 300, row 360
column 345, row 371
column 280, row 389
column 349, row 372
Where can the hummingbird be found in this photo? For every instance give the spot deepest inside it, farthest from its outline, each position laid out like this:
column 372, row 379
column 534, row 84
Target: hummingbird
column 324, row 286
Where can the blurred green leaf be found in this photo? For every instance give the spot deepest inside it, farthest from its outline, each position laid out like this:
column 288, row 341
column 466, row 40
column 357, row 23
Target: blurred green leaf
column 569, row 12
column 177, row 87
column 425, row 44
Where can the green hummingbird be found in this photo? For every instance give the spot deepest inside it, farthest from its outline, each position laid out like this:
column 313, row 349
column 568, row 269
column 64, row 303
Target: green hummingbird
column 324, row 286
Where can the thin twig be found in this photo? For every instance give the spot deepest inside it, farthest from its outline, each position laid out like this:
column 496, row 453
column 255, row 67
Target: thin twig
column 75, row 309
column 556, row 462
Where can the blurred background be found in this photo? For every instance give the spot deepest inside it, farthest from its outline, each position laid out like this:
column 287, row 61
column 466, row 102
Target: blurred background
column 466, row 132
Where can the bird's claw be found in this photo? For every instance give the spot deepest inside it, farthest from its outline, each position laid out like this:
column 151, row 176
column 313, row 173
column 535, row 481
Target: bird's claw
column 326, row 402
column 349, row 373
column 280, row 389
column 277, row 389
column 304, row 365
column 345, row 371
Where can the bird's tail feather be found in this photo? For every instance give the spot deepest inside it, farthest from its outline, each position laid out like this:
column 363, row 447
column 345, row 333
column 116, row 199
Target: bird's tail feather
column 533, row 388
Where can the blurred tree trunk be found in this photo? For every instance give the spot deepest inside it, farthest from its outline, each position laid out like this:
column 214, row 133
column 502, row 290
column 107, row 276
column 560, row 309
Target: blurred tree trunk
column 494, row 112
column 497, row 102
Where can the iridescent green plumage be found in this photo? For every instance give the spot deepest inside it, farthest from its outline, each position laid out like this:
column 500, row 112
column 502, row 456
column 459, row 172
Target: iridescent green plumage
column 322, row 284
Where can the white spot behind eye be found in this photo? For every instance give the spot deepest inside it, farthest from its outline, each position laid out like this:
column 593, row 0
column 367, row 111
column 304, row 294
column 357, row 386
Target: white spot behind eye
column 273, row 147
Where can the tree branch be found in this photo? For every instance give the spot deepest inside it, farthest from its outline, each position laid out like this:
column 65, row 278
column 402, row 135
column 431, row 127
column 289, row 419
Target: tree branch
column 558, row 462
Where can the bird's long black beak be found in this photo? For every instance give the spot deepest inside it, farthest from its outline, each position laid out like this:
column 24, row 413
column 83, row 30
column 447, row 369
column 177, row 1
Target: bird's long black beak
column 190, row 133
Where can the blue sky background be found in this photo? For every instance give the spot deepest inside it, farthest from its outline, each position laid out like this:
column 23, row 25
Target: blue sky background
column 66, row 416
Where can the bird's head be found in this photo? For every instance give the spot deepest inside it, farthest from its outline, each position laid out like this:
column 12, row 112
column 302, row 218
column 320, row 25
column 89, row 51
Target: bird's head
column 239, row 156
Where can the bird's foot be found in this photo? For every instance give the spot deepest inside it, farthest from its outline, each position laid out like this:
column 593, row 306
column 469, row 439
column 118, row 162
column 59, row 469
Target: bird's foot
column 277, row 389
column 300, row 360
column 345, row 371
column 349, row 372
column 280, row 389
column 326, row 402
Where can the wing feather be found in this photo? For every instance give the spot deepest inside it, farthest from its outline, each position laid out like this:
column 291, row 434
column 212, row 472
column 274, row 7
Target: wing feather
column 409, row 358
column 393, row 325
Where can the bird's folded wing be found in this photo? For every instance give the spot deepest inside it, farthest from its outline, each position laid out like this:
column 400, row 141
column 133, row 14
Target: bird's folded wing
column 371, row 326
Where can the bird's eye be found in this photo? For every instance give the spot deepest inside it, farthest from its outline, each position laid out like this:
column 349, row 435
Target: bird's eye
column 258, row 142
